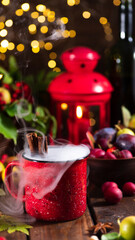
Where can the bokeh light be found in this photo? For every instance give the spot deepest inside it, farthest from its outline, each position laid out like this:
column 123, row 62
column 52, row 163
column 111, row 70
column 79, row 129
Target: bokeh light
column 103, row 20
column 4, row 43
column 71, row 2
column 19, row 12
column 32, row 28
column 48, row 46
column 9, row 23
column 3, row 49
column 3, row 33
column 35, row 49
column 34, row 15
column 64, row 106
column 41, row 43
column 2, row 25
column 34, row 44
column 20, row 47
column 44, row 29
column 65, row 33
column 86, row 14
column 56, row 69
column 41, row 19
column 2, row 56
column 64, row 20
column 5, row 2
column 41, row 8
column 51, row 64
column 116, row 2
column 53, row 55
column 11, row 46
column 72, row 33
column 25, row 7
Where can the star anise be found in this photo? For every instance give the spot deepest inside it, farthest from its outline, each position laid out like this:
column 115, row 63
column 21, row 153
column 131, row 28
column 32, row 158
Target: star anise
column 101, row 227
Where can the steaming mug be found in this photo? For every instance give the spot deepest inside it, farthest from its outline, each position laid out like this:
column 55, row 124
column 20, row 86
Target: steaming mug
column 54, row 186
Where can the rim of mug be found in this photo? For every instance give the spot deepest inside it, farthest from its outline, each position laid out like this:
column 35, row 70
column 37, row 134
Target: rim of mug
column 33, row 160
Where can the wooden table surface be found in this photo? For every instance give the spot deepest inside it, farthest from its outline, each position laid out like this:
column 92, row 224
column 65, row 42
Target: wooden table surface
column 97, row 211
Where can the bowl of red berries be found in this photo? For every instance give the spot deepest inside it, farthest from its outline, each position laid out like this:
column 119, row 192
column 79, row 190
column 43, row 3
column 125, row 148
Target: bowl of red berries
column 112, row 156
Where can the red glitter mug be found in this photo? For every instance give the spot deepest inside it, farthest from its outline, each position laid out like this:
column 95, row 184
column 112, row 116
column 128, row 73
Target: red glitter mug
column 55, row 185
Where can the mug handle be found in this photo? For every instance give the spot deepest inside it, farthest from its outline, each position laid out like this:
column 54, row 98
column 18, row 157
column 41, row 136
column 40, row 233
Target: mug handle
column 8, row 180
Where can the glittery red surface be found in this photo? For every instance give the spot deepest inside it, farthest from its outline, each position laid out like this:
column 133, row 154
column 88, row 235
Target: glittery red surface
column 66, row 202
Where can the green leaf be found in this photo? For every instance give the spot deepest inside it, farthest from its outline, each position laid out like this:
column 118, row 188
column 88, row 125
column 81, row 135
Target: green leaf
column 13, row 66
column 14, row 69
column 21, row 228
column 11, row 109
column 12, row 224
column 110, row 236
column 39, row 125
column 6, row 76
column 20, row 108
column 40, row 76
column 7, row 127
column 30, row 117
column 126, row 115
column 40, row 112
column 54, row 126
column 3, row 227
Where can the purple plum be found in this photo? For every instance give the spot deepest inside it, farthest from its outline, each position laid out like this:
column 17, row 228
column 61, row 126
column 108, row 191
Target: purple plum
column 126, row 142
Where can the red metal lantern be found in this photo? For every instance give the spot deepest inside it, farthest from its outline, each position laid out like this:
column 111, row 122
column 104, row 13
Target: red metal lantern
column 81, row 96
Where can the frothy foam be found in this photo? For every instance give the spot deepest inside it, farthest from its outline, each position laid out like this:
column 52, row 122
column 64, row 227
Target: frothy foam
column 61, row 153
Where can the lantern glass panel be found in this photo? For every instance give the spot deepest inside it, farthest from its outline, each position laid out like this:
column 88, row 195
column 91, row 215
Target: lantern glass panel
column 64, row 117
column 94, row 116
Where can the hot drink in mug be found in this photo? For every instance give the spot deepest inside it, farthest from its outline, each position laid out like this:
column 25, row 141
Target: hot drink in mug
column 54, row 185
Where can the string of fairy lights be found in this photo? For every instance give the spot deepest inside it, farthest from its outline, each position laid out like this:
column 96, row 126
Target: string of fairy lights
column 42, row 17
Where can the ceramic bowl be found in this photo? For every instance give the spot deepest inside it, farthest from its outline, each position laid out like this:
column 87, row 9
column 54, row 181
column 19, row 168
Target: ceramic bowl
column 119, row 170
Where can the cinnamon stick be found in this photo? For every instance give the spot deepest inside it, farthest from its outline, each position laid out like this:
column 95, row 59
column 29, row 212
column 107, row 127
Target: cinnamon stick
column 41, row 147
column 46, row 145
column 37, row 143
column 31, row 138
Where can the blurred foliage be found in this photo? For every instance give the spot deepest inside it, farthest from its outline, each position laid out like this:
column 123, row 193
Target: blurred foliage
column 34, row 115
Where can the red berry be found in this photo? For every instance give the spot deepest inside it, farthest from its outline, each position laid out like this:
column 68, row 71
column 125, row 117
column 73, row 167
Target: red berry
column 129, row 189
column 113, row 195
column 108, row 184
column 3, row 238
column 18, row 84
column 4, row 157
column 5, row 85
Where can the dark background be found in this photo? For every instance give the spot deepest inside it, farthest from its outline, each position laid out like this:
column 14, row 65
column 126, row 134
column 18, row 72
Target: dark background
column 89, row 32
